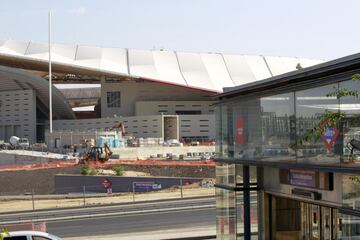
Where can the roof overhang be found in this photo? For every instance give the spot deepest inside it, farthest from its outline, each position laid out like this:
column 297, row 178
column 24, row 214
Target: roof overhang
column 210, row 72
column 321, row 74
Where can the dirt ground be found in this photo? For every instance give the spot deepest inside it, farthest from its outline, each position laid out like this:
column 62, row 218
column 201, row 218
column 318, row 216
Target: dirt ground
column 9, row 205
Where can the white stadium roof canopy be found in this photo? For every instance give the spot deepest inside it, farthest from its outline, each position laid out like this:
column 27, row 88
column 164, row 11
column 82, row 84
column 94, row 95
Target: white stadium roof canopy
column 204, row 71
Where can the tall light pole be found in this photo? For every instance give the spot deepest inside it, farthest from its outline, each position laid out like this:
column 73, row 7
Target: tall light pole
column 50, row 84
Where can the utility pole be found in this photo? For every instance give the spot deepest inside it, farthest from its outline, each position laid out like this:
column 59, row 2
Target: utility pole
column 181, row 187
column 84, row 199
column 133, row 192
column 50, row 85
column 32, row 199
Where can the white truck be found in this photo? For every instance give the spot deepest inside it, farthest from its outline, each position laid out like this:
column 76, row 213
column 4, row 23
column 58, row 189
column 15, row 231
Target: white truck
column 19, row 142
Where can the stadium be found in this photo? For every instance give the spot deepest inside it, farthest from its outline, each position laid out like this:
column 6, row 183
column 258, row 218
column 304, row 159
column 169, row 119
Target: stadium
column 154, row 93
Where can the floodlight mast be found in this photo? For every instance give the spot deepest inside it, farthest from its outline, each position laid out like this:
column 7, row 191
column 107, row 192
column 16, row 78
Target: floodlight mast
column 50, row 82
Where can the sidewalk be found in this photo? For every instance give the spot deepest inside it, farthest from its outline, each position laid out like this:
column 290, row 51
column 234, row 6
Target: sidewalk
column 156, row 235
column 41, row 204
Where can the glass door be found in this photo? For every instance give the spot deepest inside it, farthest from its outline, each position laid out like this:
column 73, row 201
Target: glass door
column 318, row 223
column 295, row 220
column 329, row 223
column 315, row 225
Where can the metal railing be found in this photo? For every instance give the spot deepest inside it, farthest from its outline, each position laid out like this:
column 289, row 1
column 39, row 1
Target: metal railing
column 90, row 195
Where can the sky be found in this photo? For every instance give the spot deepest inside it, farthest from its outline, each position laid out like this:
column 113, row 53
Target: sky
column 319, row 29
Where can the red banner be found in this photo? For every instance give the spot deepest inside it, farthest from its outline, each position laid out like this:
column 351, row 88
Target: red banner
column 240, row 130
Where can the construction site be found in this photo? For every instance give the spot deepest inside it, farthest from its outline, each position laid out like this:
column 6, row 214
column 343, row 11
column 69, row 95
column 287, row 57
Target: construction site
column 123, row 124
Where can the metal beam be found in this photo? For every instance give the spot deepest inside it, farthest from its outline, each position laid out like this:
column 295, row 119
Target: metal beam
column 247, row 217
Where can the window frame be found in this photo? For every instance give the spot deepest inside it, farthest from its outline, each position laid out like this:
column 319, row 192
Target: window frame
column 112, row 100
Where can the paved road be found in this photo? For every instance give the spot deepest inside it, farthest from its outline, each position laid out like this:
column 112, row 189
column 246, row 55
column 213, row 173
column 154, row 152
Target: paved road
column 109, row 210
column 128, row 218
column 134, row 223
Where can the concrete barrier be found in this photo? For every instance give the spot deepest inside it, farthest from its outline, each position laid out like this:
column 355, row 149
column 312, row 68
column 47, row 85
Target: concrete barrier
column 19, row 157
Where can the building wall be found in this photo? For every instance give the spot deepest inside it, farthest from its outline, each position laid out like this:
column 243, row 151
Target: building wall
column 18, row 114
column 172, row 107
column 189, row 126
column 133, row 91
column 149, row 126
column 201, row 126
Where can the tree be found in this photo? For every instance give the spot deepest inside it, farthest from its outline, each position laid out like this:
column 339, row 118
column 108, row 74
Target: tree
column 4, row 233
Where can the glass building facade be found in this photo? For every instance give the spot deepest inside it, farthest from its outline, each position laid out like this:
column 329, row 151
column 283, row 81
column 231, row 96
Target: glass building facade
column 289, row 166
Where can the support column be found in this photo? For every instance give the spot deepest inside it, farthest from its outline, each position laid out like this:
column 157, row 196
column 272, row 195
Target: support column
column 246, row 182
column 260, row 203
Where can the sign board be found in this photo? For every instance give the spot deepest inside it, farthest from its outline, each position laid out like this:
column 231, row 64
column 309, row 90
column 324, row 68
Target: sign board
column 240, row 130
column 147, row 185
column 304, row 178
column 329, row 134
column 307, row 178
column 106, row 183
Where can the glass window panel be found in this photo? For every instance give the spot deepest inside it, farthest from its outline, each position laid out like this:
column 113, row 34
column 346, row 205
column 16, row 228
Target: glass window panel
column 225, row 214
column 225, row 174
column 240, row 213
column 239, row 174
column 253, row 214
column 348, row 227
column 246, row 124
column 311, row 104
column 222, row 137
column 278, row 127
column 230, row 134
column 351, row 128
column 351, row 104
column 351, row 191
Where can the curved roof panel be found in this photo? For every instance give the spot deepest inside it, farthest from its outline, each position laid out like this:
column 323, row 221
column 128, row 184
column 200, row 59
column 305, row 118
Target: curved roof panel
column 168, row 67
column 280, row 65
column 204, row 71
column 141, row 63
column 115, row 60
column 12, row 79
column 194, row 71
column 14, row 47
column 239, row 69
column 217, row 70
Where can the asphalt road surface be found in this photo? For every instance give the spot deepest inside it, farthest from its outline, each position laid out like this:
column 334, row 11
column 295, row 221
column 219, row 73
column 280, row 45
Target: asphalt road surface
column 133, row 223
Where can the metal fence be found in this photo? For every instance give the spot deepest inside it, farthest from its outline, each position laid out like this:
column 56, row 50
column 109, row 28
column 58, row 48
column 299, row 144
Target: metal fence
column 89, row 196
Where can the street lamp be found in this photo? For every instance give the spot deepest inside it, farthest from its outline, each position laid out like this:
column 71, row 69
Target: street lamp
column 50, row 85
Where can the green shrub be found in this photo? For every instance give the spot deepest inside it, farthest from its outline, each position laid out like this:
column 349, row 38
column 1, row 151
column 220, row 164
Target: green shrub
column 118, row 170
column 92, row 172
column 87, row 170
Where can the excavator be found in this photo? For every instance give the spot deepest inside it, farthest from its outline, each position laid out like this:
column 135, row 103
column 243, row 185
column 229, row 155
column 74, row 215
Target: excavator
column 102, row 154
column 97, row 154
column 120, row 126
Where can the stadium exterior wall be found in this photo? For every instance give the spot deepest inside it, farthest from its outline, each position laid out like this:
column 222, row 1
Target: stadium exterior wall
column 189, row 126
column 18, row 114
column 173, row 107
column 132, row 92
